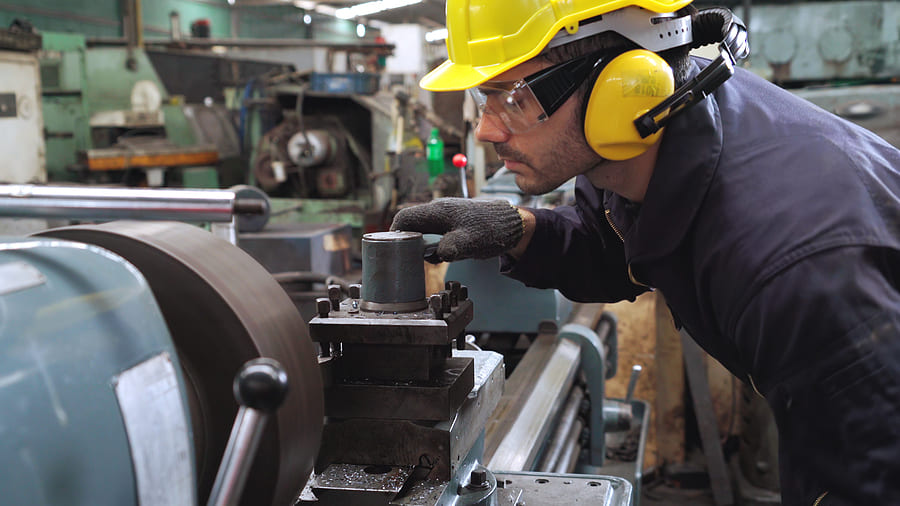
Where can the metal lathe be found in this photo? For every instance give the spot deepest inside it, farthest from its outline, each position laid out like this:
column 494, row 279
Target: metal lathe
column 156, row 363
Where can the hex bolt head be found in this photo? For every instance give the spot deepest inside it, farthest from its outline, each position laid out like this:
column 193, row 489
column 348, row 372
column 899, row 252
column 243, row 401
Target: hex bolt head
column 334, row 295
column 453, row 287
column 445, row 301
column 478, row 480
column 434, row 302
column 463, row 292
column 323, row 307
column 355, row 291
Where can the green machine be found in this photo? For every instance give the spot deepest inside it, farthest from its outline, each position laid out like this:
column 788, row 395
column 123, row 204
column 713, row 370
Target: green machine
column 108, row 118
column 321, row 149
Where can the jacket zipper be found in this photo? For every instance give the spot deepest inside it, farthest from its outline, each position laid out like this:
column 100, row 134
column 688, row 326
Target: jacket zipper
column 820, row 499
column 613, row 225
column 622, row 238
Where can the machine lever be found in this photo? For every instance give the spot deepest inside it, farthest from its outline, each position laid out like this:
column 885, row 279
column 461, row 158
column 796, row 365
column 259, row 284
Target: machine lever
column 632, row 382
column 259, row 388
column 460, row 161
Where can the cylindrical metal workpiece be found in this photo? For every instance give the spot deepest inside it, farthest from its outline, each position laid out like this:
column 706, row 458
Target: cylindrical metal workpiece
column 393, row 271
column 34, row 201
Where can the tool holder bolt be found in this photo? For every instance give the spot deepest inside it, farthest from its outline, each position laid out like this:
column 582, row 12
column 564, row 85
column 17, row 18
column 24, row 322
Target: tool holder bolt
column 445, row 301
column 436, row 305
column 463, row 292
column 355, row 291
column 453, row 287
column 334, row 295
column 323, row 307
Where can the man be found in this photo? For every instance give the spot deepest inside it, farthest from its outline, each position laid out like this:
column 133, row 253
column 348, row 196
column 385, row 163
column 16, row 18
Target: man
column 771, row 227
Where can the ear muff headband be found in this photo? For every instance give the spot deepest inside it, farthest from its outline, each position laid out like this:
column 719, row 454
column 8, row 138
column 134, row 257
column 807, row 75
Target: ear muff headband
column 634, row 96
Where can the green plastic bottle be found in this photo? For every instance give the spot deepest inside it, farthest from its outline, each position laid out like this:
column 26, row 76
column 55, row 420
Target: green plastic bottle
column 434, row 153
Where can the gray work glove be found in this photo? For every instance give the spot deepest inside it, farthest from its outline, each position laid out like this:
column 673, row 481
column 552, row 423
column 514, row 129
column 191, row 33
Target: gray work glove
column 471, row 228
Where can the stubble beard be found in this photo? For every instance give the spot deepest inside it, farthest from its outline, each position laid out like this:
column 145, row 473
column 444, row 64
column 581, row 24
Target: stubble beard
column 568, row 156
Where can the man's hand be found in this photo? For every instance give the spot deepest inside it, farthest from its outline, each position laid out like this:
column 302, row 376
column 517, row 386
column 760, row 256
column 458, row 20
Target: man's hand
column 471, row 228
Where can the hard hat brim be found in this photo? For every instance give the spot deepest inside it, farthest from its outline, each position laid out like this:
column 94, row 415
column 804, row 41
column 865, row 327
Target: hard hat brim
column 451, row 76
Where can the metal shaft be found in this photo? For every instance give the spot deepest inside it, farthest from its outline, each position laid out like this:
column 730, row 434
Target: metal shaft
column 462, row 179
column 245, row 435
column 33, row 201
column 563, row 428
column 569, row 458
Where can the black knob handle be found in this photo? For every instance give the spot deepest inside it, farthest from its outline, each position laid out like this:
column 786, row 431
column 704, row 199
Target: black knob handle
column 261, row 384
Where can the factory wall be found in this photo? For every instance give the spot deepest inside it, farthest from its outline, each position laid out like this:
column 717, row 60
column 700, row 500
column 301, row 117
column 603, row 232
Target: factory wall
column 102, row 18
column 281, row 21
column 286, row 21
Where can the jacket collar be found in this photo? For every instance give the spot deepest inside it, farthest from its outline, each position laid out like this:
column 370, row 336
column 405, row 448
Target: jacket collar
column 688, row 157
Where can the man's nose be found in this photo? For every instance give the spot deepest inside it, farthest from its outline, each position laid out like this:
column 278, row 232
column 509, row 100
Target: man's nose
column 490, row 128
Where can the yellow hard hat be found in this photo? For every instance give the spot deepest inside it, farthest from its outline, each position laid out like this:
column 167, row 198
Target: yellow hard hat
column 488, row 37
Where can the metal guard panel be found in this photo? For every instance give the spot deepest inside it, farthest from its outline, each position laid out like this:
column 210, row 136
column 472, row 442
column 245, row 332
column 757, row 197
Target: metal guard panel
column 62, row 344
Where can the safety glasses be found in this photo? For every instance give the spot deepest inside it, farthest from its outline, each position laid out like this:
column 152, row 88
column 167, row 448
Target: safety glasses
column 524, row 103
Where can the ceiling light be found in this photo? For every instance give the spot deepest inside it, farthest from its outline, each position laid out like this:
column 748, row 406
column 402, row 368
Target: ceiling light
column 325, row 9
column 361, row 30
column 436, row 35
column 368, row 8
column 307, row 19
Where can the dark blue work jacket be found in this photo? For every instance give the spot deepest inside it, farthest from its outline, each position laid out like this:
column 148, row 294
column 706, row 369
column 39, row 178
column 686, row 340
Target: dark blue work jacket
column 772, row 228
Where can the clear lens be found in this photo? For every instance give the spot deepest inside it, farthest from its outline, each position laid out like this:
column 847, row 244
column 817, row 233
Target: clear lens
column 513, row 102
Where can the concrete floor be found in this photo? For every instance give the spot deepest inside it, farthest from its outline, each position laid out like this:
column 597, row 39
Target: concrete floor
column 660, row 494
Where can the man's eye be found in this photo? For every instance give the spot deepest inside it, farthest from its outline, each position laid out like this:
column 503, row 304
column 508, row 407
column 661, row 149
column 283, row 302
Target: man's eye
column 514, row 99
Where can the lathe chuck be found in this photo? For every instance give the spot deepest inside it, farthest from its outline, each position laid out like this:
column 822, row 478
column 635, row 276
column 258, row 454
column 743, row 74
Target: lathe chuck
column 222, row 309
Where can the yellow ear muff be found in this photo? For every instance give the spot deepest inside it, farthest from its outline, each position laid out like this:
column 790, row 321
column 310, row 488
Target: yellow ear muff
column 627, row 87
